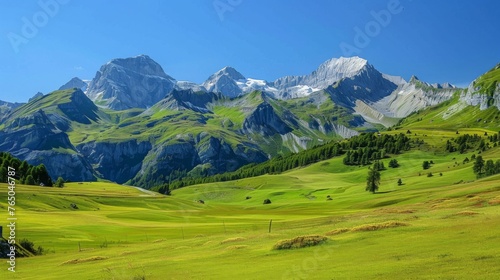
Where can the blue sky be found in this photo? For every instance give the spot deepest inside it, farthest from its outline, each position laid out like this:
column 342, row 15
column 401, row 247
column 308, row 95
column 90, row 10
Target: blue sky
column 439, row 41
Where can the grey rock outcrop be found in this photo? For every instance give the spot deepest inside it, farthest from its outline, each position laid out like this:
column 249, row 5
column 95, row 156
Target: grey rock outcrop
column 75, row 83
column 137, row 82
column 118, row 162
column 485, row 96
column 43, row 142
column 265, row 121
column 413, row 96
column 225, row 82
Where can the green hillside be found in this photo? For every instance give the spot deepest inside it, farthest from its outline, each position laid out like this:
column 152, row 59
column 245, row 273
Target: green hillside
column 429, row 226
column 452, row 115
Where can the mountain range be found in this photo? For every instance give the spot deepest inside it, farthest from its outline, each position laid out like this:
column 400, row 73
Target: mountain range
column 132, row 123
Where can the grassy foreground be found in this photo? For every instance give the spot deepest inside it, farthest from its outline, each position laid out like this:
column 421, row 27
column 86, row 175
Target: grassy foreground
column 440, row 227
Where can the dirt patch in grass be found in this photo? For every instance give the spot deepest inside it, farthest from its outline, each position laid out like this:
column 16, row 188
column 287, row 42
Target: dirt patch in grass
column 495, row 201
column 368, row 227
column 207, row 243
column 466, row 213
column 234, row 239
column 395, row 211
column 300, row 242
column 372, row 227
column 158, row 240
column 338, row 231
column 91, row 259
column 237, row 247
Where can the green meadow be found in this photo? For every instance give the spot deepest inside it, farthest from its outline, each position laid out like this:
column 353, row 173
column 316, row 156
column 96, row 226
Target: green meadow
column 442, row 227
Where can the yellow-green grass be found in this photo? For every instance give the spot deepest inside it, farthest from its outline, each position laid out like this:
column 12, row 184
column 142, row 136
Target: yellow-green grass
column 452, row 231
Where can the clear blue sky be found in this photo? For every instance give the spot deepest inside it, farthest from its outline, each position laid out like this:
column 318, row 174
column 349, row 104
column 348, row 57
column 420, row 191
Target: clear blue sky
column 439, row 41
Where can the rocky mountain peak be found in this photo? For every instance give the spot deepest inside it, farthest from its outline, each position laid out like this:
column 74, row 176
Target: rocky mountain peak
column 414, row 79
column 345, row 66
column 142, row 64
column 230, row 72
column 37, row 95
column 124, row 83
column 225, row 81
column 75, row 83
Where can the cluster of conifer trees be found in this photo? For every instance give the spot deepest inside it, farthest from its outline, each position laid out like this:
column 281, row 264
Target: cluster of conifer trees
column 465, row 142
column 25, row 173
column 358, row 150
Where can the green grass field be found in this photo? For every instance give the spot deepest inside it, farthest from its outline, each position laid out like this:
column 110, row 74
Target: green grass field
column 449, row 225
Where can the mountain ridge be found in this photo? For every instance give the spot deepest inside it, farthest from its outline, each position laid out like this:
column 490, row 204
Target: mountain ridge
column 190, row 130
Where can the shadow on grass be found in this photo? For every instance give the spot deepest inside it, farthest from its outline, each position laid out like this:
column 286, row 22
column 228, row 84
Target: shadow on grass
column 383, row 192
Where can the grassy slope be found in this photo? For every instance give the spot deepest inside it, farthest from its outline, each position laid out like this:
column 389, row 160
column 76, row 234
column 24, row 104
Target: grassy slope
column 452, row 115
column 453, row 228
column 487, row 83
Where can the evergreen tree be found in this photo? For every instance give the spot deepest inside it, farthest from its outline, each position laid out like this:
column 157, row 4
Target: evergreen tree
column 400, row 182
column 489, row 168
column 426, row 165
column 3, row 174
column 478, row 166
column 393, row 163
column 372, row 180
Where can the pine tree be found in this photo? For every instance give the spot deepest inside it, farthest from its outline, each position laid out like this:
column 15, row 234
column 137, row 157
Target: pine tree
column 400, row 182
column 426, row 165
column 372, row 180
column 393, row 163
column 489, row 167
column 478, row 166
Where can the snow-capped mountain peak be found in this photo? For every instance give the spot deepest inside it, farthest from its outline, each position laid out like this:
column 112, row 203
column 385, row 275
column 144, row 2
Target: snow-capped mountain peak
column 225, row 81
column 343, row 66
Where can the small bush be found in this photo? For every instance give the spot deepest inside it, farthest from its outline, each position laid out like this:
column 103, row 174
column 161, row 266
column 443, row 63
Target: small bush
column 267, row 201
column 30, row 247
column 429, row 174
column 300, row 242
column 59, row 183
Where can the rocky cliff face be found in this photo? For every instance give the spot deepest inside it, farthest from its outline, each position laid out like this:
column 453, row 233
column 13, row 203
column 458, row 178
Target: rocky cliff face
column 473, row 98
column 265, row 121
column 6, row 108
column 80, row 108
column 36, row 139
column 137, row 82
column 215, row 154
column 368, row 85
column 413, row 96
column 118, row 162
column 484, row 91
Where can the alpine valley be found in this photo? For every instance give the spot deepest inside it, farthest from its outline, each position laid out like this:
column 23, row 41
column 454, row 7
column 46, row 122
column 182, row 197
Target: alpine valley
column 134, row 124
